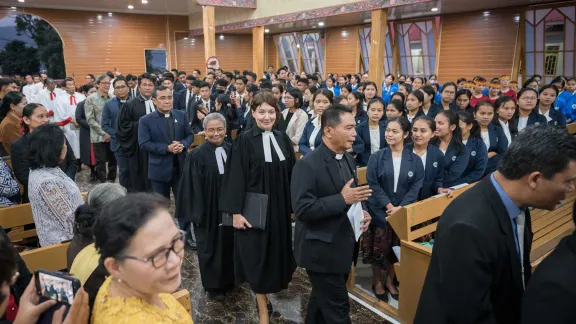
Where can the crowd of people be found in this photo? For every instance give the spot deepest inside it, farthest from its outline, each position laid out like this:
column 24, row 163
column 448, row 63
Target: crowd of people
column 289, row 143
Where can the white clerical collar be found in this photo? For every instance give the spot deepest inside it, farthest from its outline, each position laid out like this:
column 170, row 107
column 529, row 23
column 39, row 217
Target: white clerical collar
column 221, row 158
column 167, row 115
column 339, row 156
column 267, row 137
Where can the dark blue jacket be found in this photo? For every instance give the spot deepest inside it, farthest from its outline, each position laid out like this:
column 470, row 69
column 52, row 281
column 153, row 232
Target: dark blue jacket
column 533, row 119
column 362, row 145
column 153, row 138
column 109, row 114
column 454, row 164
column 557, row 117
column 498, row 144
column 477, row 160
column 304, row 143
column 433, row 172
column 380, row 177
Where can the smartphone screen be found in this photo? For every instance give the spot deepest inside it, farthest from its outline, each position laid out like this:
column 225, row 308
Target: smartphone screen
column 55, row 286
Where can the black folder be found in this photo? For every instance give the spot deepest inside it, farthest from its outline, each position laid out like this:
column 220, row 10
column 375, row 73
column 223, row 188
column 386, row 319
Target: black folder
column 255, row 210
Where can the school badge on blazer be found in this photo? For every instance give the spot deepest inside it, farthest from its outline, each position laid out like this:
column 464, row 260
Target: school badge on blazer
column 435, row 164
column 473, row 154
column 410, row 174
column 454, row 158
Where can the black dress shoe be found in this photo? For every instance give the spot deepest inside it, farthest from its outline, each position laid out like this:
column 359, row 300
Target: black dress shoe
column 383, row 297
column 394, row 296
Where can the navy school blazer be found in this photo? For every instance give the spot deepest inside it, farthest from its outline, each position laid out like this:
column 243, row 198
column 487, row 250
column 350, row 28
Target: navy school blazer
column 533, row 119
column 380, row 176
column 558, row 118
column 454, row 164
column 433, row 172
column 362, row 145
column 498, row 144
column 304, row 143
column 477, row 160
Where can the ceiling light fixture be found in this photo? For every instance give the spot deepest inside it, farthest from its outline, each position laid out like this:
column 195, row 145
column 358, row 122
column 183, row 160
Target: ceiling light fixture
column 486, row 13
column 434, row 9
column 266, row 30
column 185, row 37
column 221, row 37
column 144, row 1
column 20, row 0
column 13, row 8
column 110, row 14
column 130, row 7
column 321, row 24
column 99, row 17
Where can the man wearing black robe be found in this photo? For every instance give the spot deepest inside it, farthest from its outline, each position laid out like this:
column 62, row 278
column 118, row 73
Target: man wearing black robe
column 197, row 202
column 127, row 132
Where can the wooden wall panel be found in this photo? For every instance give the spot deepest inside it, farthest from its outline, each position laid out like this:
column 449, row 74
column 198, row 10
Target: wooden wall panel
column 341, row 48
column 475, row 44
column 93, row 45
column 272, row 53
column 234, row 53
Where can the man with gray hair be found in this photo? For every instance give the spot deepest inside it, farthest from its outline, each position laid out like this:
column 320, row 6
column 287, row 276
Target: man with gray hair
column 98, row 137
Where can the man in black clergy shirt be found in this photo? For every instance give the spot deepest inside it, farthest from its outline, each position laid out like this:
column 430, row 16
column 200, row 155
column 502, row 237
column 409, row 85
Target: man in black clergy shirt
column 481, row 256
column 127, row 132
column 323, row 188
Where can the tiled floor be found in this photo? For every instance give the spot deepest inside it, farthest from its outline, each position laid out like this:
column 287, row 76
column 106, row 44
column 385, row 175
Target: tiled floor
column 240, row 306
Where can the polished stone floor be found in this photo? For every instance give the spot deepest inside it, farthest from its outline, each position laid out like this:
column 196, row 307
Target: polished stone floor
column 240, row 306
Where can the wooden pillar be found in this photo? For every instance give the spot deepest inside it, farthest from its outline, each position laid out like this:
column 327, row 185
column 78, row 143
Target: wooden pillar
column 378, row 36
column 258, row 51
column 209, row 32
column 518, row 62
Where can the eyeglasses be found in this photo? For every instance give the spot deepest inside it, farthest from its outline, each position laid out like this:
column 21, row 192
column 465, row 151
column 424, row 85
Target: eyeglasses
column 288, row 98
column 160, row 258
column 529, row 98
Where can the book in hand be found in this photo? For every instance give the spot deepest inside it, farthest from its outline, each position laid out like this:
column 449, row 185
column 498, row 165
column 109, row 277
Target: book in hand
column 255, row 210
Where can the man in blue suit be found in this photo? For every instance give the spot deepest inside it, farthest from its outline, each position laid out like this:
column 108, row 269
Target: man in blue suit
column 166, row 135
column 109, row 113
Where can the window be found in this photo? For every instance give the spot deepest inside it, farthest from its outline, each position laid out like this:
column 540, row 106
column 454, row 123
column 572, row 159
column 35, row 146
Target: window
column 550, row 42
column 312, row 55
column 288, row 51
column 365, row 42
column 416, row 42
column 156, row 61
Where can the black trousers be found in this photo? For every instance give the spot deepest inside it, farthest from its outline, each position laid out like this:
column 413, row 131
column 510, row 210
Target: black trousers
column 123, row 167
column 328, row 302
column 103, row 154
column 163, row 188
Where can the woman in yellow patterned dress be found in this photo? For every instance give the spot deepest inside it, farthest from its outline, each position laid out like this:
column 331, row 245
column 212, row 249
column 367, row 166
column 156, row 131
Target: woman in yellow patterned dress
column 142, row 249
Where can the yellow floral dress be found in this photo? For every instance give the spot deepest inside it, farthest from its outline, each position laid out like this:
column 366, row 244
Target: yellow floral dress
column 132, row 310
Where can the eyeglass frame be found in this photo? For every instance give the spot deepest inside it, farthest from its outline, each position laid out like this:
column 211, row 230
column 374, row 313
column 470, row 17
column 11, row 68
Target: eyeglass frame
column 181, row 237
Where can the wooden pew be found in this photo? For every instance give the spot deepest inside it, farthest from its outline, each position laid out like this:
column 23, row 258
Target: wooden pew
column 571, row 128
column 14, row 218
column 549, row 227
column 51, row 258
column 234, row 134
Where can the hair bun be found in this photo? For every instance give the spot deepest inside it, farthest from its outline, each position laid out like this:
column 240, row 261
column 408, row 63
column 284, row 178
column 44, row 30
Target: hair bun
column 84, row 218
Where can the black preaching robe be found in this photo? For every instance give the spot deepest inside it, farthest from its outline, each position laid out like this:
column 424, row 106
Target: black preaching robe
column 127, row 135
column 197, row 202
column 263, row 258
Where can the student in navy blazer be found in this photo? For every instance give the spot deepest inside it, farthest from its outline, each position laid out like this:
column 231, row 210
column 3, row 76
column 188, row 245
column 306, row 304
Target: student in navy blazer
column 526, row 115
column 166, row 152
column 449, row 141
column 423, row 129
column 312, row 126
column 363, row 144
column 493, row 136
column 545, row 106
column 475, row 146
column 388, row 196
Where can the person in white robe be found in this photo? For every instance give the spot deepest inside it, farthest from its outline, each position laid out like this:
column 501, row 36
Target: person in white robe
column 48, row 97
column 65, row 112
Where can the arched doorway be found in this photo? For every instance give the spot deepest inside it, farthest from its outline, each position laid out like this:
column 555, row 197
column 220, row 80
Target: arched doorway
column 29, row 44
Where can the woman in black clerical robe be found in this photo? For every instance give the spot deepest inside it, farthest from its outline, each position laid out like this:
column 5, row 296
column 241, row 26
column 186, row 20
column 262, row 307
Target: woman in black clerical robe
column 261, row 162
column 197, row 202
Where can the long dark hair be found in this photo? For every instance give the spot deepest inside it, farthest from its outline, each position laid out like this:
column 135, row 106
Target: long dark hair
column 11, row 98
column 28, row 111
column 456, row 133
column 469, row 119
column 501, row 101
column 360, row 97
